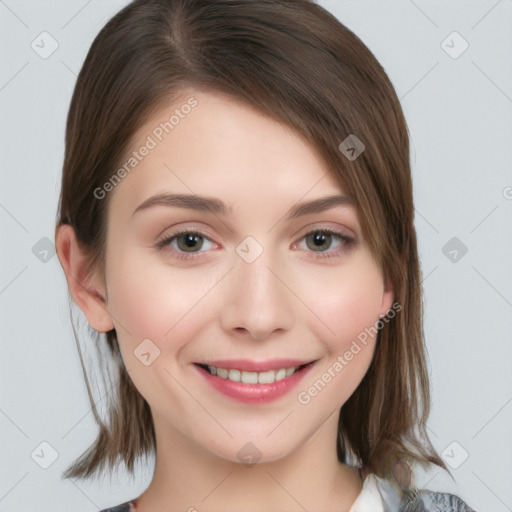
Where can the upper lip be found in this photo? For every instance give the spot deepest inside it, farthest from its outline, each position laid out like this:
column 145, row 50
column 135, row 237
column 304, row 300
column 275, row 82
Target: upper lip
column 256, row 366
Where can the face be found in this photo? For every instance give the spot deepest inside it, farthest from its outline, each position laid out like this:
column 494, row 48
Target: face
column 240, row 314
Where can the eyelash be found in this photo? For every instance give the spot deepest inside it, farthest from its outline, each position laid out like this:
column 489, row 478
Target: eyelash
column 344, row 239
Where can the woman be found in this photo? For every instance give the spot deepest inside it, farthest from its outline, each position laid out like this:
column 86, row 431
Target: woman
column 236, row 216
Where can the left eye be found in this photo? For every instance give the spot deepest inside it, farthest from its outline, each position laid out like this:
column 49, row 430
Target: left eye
column 323, row 239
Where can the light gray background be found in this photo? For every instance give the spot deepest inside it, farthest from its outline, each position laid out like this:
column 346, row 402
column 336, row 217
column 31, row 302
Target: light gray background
column 459, row 112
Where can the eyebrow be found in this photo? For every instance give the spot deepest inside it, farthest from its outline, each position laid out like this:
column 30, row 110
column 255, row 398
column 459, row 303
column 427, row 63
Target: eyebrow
column 218, row 207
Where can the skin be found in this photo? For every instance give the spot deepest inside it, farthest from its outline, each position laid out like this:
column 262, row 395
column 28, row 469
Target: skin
column 289, row 302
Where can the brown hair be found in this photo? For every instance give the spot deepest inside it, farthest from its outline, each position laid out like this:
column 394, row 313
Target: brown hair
column 293, row 61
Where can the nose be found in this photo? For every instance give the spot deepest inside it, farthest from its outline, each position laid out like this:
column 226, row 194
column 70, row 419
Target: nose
column 257, row 301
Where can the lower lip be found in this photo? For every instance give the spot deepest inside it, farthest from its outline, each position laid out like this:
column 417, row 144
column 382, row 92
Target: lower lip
column 254, row 393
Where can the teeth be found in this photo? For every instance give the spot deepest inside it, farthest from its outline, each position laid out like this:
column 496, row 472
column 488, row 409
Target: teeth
column 248, row 377
column 289, row 371
column 280, row 374
column 252, row 377
column 222, row 372
column 267, row 377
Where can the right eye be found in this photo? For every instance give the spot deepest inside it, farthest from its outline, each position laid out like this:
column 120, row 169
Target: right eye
column 185, row 242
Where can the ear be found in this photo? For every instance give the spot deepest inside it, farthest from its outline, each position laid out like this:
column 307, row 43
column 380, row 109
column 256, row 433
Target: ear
column 88, row 291
column 387, row 296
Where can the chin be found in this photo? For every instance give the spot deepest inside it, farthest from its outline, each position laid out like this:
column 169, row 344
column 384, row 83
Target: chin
column 254, row 449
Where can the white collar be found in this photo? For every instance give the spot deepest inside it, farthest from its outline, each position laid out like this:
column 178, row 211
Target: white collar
column 369, row 498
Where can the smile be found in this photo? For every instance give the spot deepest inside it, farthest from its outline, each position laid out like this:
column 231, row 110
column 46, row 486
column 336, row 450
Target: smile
column 254, row 382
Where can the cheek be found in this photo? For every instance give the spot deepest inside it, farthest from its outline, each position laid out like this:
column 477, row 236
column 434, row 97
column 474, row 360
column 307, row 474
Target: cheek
column 349, row 306
column 167, row 308
column 350, row 309
column 151, row 303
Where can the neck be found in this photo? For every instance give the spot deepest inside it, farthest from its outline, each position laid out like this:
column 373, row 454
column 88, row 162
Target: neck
column 189, row 478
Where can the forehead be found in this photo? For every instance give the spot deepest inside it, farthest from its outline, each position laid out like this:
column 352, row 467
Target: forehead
column 208, row 143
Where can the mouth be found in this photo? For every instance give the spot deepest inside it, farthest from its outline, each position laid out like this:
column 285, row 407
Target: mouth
column 253, row 377
column 254, row 382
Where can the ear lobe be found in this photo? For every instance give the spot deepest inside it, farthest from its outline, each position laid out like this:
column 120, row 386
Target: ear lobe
column 387, row 296
column 88, row 290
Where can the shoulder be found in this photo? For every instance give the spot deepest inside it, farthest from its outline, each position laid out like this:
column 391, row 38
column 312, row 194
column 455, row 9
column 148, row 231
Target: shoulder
column 433, row 490
column 433, row 501
column 123, row 507
column 380, row 495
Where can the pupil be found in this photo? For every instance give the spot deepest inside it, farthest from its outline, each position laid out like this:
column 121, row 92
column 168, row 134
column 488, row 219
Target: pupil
column 320, row 239
column 190, row 241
